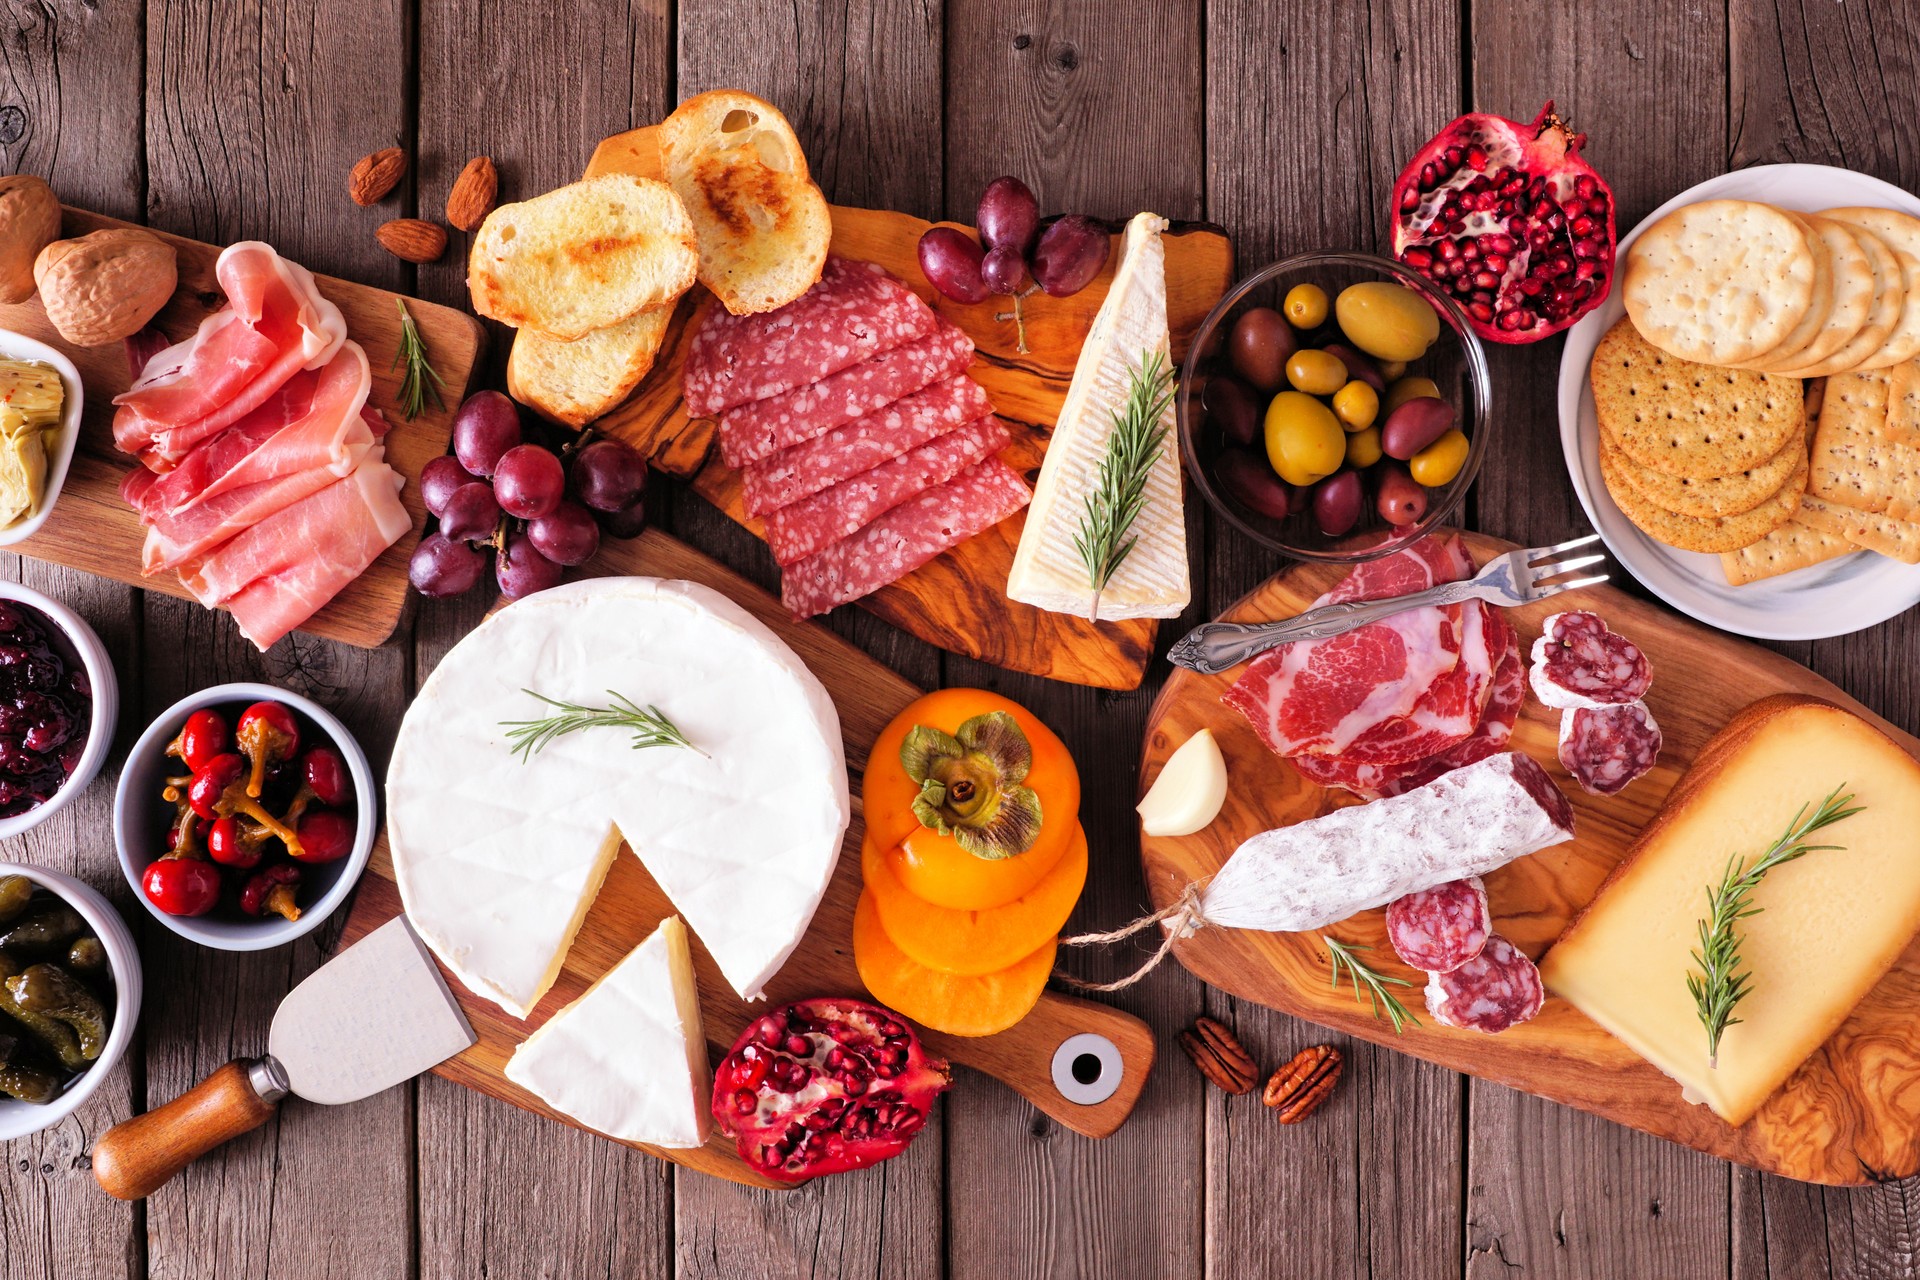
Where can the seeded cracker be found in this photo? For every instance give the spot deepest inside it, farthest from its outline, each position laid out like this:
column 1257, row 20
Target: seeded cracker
column 1890, row 537
column 1720, row 281
column 1794, row 545
column 1855, row 462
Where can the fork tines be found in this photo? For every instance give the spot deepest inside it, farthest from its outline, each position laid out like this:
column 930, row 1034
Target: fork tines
column 1544, row 570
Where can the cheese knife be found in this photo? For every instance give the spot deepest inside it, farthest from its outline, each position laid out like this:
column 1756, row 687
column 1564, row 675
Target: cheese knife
column 377, row 1014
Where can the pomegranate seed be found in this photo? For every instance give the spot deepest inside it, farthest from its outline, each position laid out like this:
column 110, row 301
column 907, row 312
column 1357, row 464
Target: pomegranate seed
column 1514, row 320
column 1585, row 185
column 1533, row 286
column 1497, row 262
column 1585, row 249
column 1470, row 250
column 1477, row 157
column 1486, row 280
column 798, row 1045
column 1480, row 311
column 1419, row 259
column 1410, row 201
column 1585, row 270
column 1582, row 226
column 743, row 1101
column 1448, row 250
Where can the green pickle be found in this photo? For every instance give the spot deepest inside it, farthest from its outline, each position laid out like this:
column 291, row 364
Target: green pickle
column 28, row 1083
column 50, row 990
column 15, row 893
column 53, row 1035
column 86, row 956
column 51, row 924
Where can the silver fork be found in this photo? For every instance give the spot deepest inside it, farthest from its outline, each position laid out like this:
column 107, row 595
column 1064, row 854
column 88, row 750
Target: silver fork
column 1519, row 577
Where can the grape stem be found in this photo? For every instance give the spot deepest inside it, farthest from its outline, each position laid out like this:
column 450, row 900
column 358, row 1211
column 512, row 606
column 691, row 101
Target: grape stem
column 1018, row 316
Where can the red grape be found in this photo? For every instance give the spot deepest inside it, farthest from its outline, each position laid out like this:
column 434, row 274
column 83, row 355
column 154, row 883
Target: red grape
column 1070, row 254
column 471, row 513
column 485, row 427
column 608, row 474
column 566, row 535
column 628, row 521
column 1009, row 216
column 950, row 260
column 442, row 567
column 438, row 479
column 521, row 570
column 529, row 482
column 1004, row 270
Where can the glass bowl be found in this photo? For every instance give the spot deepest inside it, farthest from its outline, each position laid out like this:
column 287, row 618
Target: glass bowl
column 1456, row 362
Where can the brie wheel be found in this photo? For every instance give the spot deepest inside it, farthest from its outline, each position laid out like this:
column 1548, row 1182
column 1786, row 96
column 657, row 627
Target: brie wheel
column 498, row 859
column 628, row 1058
column 1189, row 791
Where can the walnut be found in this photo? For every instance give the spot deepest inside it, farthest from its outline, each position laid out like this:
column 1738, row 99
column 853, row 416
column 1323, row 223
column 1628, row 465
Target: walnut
column 105, row 286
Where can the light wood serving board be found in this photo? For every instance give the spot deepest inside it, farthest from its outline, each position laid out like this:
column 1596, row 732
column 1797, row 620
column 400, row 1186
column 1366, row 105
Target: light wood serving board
column 959, row 600
column 1850, row 1115
column 630, row 905
column 92, row 529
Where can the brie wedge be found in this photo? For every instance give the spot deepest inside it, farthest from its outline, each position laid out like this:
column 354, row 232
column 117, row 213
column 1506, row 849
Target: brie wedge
column 1152, row 581
column 498, row 858
column 628, row 1058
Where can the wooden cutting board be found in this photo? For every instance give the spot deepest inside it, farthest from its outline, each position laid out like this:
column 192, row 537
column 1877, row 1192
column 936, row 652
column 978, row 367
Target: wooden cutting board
column 630, row 905
column 91, row 528
column 959, row 600
column 1847, row 1117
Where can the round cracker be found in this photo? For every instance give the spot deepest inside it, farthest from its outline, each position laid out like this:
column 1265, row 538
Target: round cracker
column 1714, row 497
column 1688, row 420
column 1849, row 301
column 1815, row 320
column 1886, row 293
column 1691, row 533
column 1720, row 281
column 1901, row 233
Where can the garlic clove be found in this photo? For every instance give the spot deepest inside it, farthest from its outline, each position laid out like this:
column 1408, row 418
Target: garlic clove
column 1189, row 791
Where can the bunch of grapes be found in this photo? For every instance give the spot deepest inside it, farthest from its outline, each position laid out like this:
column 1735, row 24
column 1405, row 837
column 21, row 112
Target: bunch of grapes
column 540, row 510
column 1014, row 254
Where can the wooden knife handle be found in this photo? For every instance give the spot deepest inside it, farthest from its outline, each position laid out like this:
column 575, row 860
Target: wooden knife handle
column 136, row 1157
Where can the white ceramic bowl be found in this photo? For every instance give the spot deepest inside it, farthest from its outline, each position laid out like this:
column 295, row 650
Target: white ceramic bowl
column 106, row 703
column 17, row 346
column 18, row 1119
column 141, row 819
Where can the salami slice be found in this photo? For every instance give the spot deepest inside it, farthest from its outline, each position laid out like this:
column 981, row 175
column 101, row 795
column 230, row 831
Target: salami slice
column 797, row 531
column 761, row 428
column 863, row 444
column 1579, row 662
column 854, row 313
column 1464, row 823
column 1441, row 928
column 1497, row 989
column 905, row 538
column 1605, row 748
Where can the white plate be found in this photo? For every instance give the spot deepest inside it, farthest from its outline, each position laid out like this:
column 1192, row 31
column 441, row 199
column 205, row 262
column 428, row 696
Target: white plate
column 1831, row 599
column 17, row 346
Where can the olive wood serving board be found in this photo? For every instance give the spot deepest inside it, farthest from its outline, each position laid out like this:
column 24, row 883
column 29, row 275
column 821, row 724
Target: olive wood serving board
column 958, row 601
column 630, row 905
column 93, row 529
column 1848, row 1116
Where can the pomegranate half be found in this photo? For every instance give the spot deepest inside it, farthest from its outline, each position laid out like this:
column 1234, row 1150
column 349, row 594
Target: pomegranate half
column 822, row 1086
column 1511, row 221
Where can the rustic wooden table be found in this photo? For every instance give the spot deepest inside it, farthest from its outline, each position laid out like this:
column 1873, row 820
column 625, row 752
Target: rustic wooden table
column 1282, row 120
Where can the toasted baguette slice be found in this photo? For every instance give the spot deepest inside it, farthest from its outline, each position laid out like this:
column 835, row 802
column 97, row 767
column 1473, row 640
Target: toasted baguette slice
column 763, row 225
column 573, row 383
column 583, row 257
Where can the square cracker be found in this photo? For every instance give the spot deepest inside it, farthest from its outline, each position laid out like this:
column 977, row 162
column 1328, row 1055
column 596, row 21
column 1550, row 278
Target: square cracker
column 1903, row 403
column 1794, row 545
column 1855, row 463
column 1899, row 539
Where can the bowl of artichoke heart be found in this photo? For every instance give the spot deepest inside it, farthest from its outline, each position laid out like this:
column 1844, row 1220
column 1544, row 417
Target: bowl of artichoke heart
column 69, row 996
column 40, row 402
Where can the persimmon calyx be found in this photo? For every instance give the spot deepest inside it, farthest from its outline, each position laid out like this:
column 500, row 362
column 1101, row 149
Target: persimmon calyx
column 971, row 784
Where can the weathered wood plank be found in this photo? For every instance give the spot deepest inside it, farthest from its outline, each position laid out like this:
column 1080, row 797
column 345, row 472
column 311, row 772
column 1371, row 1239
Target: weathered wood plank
column 502, row 1191
column 251, row 128
column 1310, row 111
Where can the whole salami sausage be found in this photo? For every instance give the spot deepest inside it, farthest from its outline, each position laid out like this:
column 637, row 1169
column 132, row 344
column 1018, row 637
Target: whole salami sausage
column 1497, row 989
column 1579, row 662
column 1441, row 928
column 1605, row 748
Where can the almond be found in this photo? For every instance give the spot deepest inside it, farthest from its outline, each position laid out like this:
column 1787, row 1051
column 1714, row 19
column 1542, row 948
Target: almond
column 471, row 199
column 413, row 239
column 376, row 175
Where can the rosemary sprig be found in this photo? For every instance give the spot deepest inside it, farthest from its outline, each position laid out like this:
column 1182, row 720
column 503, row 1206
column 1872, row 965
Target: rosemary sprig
column 650, row 726
column 420, row 381
column 1120, row 487
column 1721, row 983
column 1367, row 982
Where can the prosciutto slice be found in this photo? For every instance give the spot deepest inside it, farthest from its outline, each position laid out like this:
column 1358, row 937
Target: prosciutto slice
column 275, row 324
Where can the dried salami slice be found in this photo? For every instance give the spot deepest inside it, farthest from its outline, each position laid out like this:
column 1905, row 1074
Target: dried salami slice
column 1605, row 748
column 905, row 538
column 855, row 312
column 863, row 444
column 1579, row 662
column 797, row 531
column 1497, row 989
column 761, row 428
column 1441, row 928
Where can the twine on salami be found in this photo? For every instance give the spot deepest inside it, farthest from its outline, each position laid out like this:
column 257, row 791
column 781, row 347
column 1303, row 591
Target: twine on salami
column 1185, row 917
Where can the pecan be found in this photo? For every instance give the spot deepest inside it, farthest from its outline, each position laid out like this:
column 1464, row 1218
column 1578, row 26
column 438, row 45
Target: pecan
column 375, row 175
column 1219, row 1056
column 1297, row 1089
column 412, row 239
column 473, row 194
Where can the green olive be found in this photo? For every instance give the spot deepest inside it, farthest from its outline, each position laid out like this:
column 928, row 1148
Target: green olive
column 1305, row 306
column 1387, row 321
column 1440, row 462
column 1393, row 369
column 1318, row 373
column 1363, row 448
column 1356, row 405
column 1401, row 390
column 1304, row 440
column 15, row 893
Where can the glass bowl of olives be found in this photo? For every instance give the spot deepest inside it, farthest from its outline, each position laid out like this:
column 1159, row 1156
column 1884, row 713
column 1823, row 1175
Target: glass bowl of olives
column 69, row 996
column 1333, row 406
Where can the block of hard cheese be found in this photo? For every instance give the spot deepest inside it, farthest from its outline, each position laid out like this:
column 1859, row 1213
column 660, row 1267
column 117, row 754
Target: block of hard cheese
column 1830, row 924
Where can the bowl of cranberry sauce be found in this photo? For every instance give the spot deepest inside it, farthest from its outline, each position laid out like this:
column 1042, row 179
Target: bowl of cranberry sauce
column 58, row 703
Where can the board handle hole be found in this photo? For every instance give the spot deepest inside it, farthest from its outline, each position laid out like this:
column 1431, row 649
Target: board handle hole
column 1087, row 1069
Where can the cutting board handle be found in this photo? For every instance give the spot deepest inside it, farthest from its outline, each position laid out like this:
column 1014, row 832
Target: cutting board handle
column 137, row 1157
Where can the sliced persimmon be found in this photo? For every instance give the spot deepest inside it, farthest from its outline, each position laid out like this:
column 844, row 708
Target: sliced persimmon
column 934, row 869
column 974, row 942
column 958, row 1004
